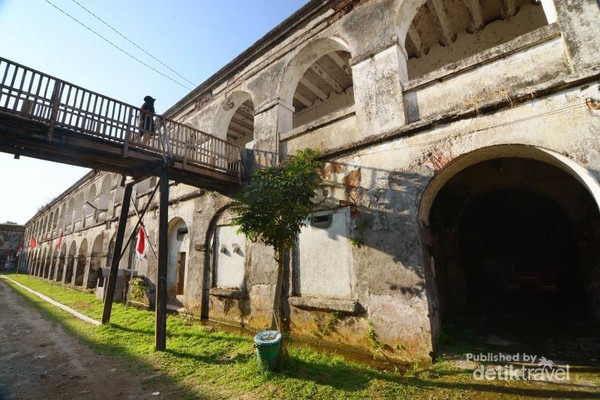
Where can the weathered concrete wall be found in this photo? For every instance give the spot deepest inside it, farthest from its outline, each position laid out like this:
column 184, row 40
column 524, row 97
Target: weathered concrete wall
column 384, row 183
column 394, row 176
column 578, row 21
column 488, row 81
column 386, row 153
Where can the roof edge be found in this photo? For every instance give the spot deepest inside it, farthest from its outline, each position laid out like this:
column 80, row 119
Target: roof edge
column 63, row 194
column 261, row 46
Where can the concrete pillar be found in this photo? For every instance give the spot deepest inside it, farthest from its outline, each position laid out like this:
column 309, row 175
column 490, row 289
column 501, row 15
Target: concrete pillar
column 579, row 21
column 269, row 122
column 378, row 90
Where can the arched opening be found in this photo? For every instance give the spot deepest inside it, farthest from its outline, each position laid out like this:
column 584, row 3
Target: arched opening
column 178, row 246
column 50, row 224
column 70, row 261
column 60, row 268
column 111, row 250
column 38, row 263
column 241, row 126
column 44, row 226
column 32, row 262
column 89, row 208
column 62, row 221
column 46, row 261
column 447, row 31
column 235, row 120
column 44, row 272
column 81, row 263
column 325, row 87
column 317, row 82
column 132, row 263
column 102, row 201
column 512, row 252
column 95, row 262
column 78, row 211
column 69, row 215
column 52, row 268
column 55, row 229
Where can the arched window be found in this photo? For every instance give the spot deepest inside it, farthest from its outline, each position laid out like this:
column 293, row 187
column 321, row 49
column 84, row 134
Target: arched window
column 241, row 127
column 78, row 211
column 89, row 207
column 447, row 31
column 326, row 86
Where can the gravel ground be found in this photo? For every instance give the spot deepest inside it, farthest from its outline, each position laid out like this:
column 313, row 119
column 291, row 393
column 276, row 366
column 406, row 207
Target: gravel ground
column 38, row 360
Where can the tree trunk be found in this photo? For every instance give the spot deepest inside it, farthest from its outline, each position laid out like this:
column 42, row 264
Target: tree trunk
column 277, row 322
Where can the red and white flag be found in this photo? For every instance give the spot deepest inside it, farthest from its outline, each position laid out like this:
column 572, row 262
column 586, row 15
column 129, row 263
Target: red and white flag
column 32, row 243
column 140, row 249
column 60, row 240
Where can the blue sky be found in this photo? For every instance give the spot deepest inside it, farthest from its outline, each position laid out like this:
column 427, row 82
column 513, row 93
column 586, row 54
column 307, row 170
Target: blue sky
column 194, row 38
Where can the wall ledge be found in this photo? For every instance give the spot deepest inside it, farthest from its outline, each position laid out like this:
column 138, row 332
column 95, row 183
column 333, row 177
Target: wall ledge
column 331, row 118
column 325, row 303
column 520, row 43
column 230, row 293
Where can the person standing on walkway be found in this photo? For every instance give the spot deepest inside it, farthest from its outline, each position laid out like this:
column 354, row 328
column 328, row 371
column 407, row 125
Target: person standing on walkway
column 146, row 121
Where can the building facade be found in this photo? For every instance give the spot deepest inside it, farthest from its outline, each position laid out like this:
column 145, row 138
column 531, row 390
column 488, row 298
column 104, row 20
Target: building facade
column 463, row 157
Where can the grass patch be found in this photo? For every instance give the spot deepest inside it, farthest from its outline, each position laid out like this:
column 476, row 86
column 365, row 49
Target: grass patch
column 201, row 363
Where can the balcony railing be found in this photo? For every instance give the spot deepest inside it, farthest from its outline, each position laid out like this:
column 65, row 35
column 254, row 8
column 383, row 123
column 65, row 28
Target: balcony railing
column 60, row 104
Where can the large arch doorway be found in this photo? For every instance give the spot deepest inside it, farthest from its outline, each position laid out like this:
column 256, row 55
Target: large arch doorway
column 512, row 251
column 94, row 271
column 81, row 263
column 177, row 261
column 61, row 263
column 70, row 264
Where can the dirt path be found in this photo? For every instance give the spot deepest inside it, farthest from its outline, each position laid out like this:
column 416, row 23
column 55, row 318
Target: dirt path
column 39, row 360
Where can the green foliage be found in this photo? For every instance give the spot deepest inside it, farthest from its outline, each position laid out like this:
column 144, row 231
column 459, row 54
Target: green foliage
column 399, row 347
column 277, row 201
column 334, row 318
column 374, row 337
column 211, row 364
column 359, row 237
column 138, row 290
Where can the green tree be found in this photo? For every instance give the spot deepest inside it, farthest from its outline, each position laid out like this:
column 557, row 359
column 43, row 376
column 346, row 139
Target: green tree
column 274, row 207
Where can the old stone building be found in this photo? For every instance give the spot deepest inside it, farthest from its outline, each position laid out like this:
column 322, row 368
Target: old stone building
column 463, row 157
column 11, row 241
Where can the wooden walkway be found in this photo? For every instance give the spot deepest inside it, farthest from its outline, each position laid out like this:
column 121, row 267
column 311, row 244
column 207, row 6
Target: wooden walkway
column 50, row 119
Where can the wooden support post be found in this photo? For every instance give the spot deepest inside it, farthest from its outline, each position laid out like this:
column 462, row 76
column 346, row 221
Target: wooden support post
column 54, row 106
column 160, row 328
column 114, row 267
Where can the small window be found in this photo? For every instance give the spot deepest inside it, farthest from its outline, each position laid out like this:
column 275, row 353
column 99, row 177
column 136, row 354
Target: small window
column 320, row 221
column 181, row 232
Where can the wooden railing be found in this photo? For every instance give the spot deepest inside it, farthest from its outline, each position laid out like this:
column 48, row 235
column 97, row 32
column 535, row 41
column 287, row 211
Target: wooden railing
column 60, row 104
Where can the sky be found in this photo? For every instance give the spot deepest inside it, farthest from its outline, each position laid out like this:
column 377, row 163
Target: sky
column 185, row 41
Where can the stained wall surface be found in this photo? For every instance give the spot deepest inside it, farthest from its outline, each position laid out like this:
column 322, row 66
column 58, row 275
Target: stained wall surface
column 399, row 96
